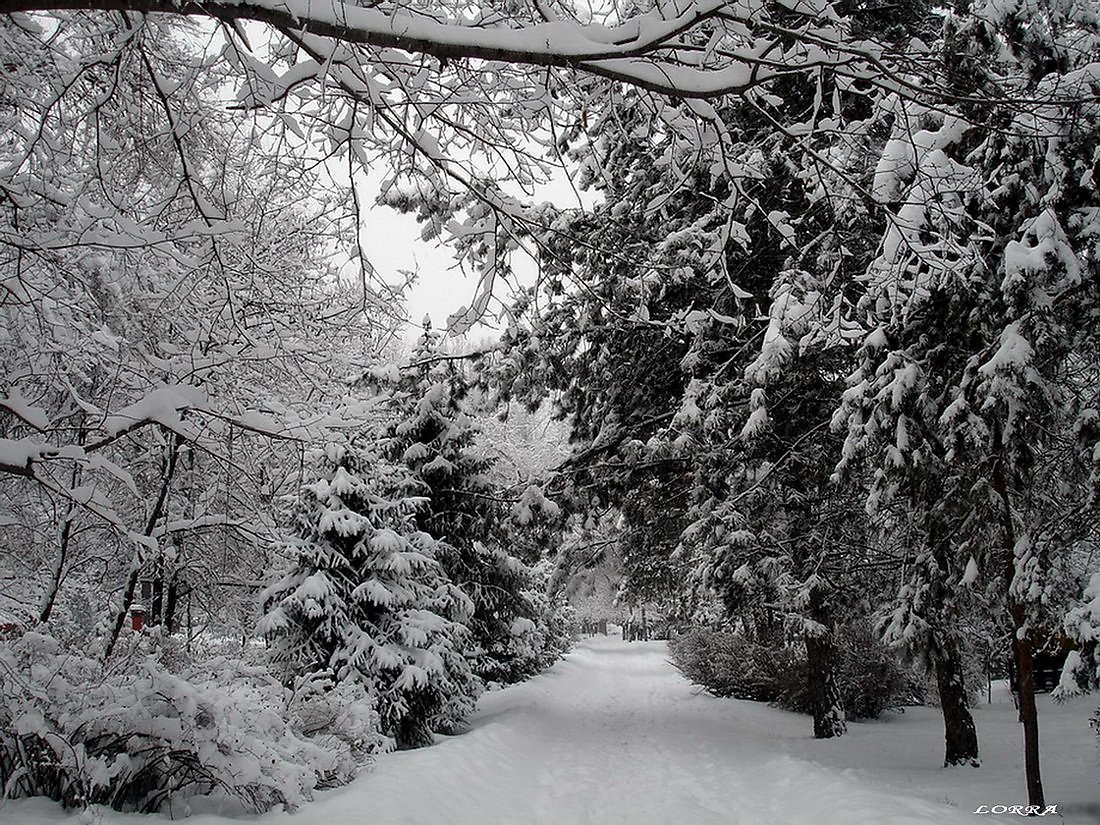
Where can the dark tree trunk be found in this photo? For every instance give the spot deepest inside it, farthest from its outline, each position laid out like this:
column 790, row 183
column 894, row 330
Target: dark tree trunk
column 1022, row 653
column 413, row 732
column 824, row 691
column 960, row 735
column 821, row 659
column 171, row 600
column 58, row 572
column 139, row 555
column 63, row 540
column 1023, row 659
column 156, row 608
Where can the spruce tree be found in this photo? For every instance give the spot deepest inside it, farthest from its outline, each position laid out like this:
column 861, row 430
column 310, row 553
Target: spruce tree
column 433, row 434
column 366, row 600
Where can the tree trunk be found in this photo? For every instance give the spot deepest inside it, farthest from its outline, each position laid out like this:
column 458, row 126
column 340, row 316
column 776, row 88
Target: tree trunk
column 63, row 540
column 156, row 607
column 139, row 555
column 413, row 731
column 58, row 572
column 1022, row 654
column 960, row 735
column 828, row 709
column 171, row 601
column 1023, row 658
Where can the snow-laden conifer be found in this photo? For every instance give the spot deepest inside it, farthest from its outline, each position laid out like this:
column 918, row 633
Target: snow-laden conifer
column 366, row 600
column 433, row 433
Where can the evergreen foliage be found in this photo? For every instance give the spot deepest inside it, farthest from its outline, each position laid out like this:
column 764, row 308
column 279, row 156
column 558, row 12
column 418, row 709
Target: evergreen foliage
column 368, row 601
column 430, row 431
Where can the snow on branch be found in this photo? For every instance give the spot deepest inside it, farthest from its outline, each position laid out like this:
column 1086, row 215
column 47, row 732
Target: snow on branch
column 643, row 51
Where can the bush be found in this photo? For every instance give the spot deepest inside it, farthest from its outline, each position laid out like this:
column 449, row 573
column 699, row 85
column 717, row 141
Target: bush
column 138, row 738
column 341, row 719
column 869, row 676
column 729, row 664
column 726, row 664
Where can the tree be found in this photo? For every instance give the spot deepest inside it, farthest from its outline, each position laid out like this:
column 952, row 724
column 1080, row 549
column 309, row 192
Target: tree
column 982, row 307
column 410, row 92
column 170, row 282
column 430, row 429
column 929, row 165
column 653, row 349
column 366, row 600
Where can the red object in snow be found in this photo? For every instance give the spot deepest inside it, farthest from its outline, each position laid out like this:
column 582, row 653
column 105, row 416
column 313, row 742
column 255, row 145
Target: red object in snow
column 137, row 617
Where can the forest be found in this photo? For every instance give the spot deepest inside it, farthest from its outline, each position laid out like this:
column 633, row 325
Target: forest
column 811, row 373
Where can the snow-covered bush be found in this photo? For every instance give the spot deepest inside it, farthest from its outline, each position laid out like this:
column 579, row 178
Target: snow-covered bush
column 366, row 601
column 556, row 624
column 1081, row 625
column 340, row 718
column 726, row 663
column 870, row 678
column 137, row 737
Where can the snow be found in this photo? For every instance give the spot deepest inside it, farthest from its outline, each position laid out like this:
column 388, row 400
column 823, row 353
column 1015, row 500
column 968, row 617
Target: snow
column 21, row 452
column 970, row 575
column 163, row 406
column 1014, row 352
column 613, row 734
column 1023, row 259
column 19, row 406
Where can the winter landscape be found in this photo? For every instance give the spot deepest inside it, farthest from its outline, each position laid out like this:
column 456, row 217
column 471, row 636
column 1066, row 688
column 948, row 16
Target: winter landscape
column 549, row 411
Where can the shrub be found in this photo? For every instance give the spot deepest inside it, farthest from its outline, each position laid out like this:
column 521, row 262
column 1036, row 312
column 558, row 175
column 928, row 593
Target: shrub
column 726, row 664
column 869, row 676
column 138, row 738
column 342, row 720
column 729, row 664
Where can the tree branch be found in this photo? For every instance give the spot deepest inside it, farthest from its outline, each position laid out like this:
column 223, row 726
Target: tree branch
column 636, row 52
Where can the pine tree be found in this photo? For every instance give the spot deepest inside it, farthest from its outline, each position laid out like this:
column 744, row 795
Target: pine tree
column 367, row 600
column 433, row 434
column 971, row 400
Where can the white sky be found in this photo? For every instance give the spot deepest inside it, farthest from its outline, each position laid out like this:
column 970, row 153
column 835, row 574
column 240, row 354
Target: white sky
column 392, row 243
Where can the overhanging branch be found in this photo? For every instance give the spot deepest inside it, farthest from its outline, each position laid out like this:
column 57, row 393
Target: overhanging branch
column 639, row 52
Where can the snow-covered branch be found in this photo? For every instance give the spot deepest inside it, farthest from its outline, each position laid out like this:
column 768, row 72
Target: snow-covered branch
column 651, row 51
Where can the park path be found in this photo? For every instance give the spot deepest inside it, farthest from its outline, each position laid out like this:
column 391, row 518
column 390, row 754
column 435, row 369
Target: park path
column 613, row 734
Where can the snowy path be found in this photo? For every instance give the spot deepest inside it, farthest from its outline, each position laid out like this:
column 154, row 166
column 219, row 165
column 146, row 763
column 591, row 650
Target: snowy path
column 615, row 735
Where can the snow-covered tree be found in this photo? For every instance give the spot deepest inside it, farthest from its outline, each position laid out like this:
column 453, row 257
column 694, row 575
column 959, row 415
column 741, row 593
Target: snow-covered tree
column 432, row 431
column 171, row 300
column 652, row 353
column 366, row 600
column 980, row 310
column 409, row 89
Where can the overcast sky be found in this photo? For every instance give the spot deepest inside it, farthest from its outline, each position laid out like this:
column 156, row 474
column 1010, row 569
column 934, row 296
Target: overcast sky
column 392, row 242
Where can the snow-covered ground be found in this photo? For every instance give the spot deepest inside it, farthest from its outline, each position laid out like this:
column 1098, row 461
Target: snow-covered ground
column 613, row 734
